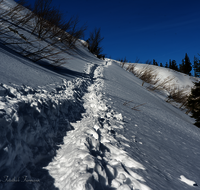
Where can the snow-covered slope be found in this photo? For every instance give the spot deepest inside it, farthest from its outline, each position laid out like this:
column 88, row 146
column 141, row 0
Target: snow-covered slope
column 91, row 125
column 160, row 137
column 176, row 79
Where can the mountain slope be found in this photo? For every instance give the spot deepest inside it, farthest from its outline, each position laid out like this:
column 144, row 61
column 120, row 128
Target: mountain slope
column 90, row 125
column 161, row 137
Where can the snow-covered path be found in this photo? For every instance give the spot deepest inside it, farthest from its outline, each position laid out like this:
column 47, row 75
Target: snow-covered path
column 91, row 157
column 34, row 122
column 75, row 137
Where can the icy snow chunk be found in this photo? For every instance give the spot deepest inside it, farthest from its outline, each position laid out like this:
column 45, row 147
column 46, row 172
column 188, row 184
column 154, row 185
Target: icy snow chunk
column 115, row 183
column 6, row 149
column 104, row 140
column 64, row 81
column 69, row 83
column 187, row 181
column 124, row 144
column 121, row 156
column 11, row 91
column 96, row 127
column 34, row 104
column 108, row 115
column 118, row 116
column 2, row 106
column 124, row 187
column 94, row 133
column 122, row 176
column 122, row 137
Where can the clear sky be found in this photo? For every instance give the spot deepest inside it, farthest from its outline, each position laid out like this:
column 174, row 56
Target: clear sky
column 144, row 29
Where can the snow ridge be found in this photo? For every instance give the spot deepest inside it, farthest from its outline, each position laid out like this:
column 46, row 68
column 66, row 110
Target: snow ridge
column 91, row 157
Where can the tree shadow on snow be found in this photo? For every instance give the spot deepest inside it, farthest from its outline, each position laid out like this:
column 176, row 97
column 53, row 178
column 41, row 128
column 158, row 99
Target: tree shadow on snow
column 42, row 65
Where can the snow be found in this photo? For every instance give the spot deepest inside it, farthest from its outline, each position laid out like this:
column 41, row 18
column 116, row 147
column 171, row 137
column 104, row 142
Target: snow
column 187, row 181
column 92, row 125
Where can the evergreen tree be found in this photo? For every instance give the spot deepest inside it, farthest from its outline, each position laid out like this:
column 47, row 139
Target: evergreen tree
column 174, row 65
column 196, row 67
column 194, row 103
column 154, row 62
column 182, row 66
column 148, row 62
column 186, row 67
column 166, row 65
column 170, row 64
column 161, row 65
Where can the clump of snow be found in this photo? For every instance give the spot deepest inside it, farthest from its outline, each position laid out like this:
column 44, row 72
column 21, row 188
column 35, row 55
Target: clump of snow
column 187, row 181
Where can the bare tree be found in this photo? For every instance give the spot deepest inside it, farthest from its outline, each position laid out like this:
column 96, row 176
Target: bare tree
column 46, row 23
column 94, row 42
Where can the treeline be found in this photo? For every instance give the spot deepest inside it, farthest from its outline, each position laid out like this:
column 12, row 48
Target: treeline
column 185, row 67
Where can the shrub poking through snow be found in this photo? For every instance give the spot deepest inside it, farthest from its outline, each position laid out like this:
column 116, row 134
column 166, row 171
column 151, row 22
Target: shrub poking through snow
column 46, row 29
column 123, row 62
column 135, row 107
column 194, row 103
column 178, row 95
column 94, row 43
column 161, row 85
column 131, row 68
column 148, row 75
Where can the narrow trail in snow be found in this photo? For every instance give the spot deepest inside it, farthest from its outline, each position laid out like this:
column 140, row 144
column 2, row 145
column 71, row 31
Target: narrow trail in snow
column 91, row 157
column 64, row 139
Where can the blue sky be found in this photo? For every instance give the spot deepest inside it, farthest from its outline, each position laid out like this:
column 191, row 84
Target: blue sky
column 144, row 29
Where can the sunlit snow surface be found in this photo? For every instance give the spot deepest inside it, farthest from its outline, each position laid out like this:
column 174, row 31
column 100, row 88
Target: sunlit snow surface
column 91, row 125
column 91, row 157
column 187, row 181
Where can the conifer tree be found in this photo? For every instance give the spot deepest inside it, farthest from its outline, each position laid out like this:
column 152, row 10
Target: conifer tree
column 194, row 103
column 170, row 64
column 174, row 65
column 186, row 67
column 154, row 62
column 196, row 67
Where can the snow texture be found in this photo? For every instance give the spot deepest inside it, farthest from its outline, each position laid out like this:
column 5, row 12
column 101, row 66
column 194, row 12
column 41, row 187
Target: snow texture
column 93, row 158
column 77, row 127
column 187, row 181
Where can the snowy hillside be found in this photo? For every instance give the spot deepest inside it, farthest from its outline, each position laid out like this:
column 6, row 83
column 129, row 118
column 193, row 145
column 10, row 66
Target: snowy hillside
column 90, row 124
